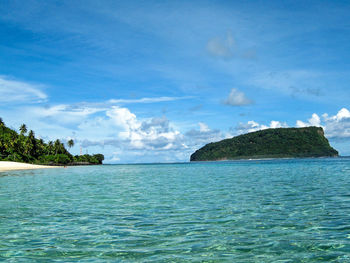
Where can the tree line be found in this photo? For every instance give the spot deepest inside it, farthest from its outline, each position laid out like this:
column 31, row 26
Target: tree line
column 25, row 147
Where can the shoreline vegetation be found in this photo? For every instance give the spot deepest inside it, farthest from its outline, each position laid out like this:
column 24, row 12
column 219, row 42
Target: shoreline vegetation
column 24, row 147
column 270, row 143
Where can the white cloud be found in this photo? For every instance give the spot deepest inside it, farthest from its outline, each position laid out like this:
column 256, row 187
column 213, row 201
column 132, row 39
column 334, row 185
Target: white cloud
column 313, row 121
column 147, row 100
column 151, row 137
column 153, row 134
column 17, row 91
column 277, row 124
column 79, row 112
column 196, row 138
column 237, row 98
column 252, row 126
column 336, row 126
column 123, row 118
column 63, row 113
column 343, row 114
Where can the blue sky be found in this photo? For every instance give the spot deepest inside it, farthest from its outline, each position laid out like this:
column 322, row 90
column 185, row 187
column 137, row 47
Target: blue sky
column 151, row 81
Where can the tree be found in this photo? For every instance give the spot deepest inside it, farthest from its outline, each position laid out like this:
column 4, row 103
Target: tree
column 99, row 157
column 23, row 129
column 24, row 147
column 31, row 134
column 59, row 147
column 70, row 143
column 50, row 148
column 41, row 147
column 30, row 146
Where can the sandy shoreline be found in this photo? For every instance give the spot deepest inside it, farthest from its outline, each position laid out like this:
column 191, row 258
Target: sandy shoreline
column 12, row 166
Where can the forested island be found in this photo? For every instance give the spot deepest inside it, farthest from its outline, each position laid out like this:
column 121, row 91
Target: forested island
column 269, row 143
column 24, row 147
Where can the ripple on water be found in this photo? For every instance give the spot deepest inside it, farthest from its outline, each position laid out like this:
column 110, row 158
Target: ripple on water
column 259, row 211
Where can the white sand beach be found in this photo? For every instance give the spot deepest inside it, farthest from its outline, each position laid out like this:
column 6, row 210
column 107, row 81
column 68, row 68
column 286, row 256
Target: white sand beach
column 11, row 166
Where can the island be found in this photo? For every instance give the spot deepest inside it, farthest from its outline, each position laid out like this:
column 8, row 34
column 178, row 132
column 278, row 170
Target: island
column 24, row 147
column 269, row 143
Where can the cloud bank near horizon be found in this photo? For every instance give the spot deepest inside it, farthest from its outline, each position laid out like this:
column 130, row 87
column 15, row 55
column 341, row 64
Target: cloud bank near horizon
column 124, row 137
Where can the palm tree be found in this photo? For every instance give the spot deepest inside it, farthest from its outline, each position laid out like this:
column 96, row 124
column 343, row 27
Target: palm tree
column 57, row 146
column 50, row 148
column 31, row 135
column 23, row 129
column 30, row 147
column 40, row 147
column 70, row 143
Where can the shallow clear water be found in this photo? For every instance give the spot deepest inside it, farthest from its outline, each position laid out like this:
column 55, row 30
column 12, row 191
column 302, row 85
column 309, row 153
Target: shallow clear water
column 244, row 211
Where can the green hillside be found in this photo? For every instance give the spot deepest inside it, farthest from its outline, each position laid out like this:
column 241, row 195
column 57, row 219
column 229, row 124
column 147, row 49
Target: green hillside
column 269, row 143
column 24, row 147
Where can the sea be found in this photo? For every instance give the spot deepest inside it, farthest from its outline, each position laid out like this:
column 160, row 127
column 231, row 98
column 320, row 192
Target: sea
column 292, row 210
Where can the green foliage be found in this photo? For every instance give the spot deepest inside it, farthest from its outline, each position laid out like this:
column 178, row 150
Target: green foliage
column 91, row 159
column 55, row 159
column 14, row 157
column 26, row 148
column 269, row 143
column 70, row 143
column 47, row 159
column 23, row 129
column 62, row 159
column 99, row 157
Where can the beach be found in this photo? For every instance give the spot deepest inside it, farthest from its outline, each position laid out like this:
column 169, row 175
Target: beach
column 11, row 166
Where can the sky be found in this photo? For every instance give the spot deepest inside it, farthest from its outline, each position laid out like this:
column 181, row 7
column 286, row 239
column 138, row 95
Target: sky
column 152, row 81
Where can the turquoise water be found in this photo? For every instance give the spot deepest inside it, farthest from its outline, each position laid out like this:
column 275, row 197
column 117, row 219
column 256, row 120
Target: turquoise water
column 244, row 211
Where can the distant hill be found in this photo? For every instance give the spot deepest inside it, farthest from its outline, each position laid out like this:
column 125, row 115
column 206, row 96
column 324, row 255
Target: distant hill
column 269, row 143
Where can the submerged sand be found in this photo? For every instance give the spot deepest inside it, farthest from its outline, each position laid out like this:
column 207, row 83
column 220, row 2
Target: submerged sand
column 11, row 166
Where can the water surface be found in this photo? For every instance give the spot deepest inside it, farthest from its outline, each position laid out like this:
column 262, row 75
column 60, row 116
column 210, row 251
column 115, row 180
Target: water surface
column 243, row 211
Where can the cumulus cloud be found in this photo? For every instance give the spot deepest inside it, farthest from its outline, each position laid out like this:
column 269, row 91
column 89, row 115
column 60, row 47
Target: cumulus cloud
column 237, row 98
column 313, row 121
column 17, row 91
column 252, row 126
column 203, row 135
column 162, row 124
column 343, row 114
column 152, row 137
column 336, row 126
column 148, row 134
column 221, row 47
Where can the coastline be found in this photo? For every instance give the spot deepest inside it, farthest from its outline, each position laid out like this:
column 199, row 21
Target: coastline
column 14, row 166
column 270, row 158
